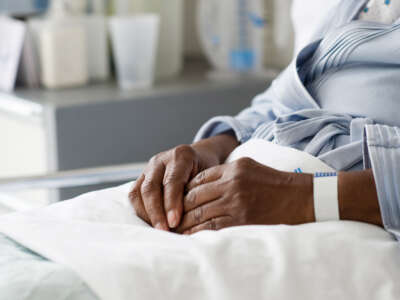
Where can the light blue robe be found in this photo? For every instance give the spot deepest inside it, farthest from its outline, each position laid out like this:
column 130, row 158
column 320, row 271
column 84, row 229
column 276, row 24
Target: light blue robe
column 339, row 100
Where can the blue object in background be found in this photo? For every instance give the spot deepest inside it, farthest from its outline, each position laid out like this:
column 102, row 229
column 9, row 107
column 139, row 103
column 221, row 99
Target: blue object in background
column 257, row 20
column 22, row 7
column 242, row 60
column 41, row 4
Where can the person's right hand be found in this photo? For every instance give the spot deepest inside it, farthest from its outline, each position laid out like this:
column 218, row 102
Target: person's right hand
column 157, row 195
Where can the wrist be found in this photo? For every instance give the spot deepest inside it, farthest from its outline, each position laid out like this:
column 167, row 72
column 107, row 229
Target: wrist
column 358, row 199
column 302, row 199
column 308, row 197
column 216, row 148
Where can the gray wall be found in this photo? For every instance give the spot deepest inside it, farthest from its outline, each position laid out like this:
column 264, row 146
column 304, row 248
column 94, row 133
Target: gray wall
column 132, row 131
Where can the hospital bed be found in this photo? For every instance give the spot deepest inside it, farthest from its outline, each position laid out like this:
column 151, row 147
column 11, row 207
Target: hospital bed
column 117, row 256
column 339, row 260
column 110, row 175
column 74, row 178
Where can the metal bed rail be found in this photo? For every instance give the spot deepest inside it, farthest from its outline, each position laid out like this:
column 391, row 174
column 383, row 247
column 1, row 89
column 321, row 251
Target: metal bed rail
column 73, row 178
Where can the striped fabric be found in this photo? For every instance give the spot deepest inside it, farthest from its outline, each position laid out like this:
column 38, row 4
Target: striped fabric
column 382, row 154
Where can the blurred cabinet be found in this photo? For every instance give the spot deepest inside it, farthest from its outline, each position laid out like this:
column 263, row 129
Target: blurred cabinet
column 29, row 139
column 24, row 149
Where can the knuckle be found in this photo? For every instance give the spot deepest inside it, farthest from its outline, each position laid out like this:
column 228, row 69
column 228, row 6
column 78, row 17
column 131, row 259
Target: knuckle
column 183, row 152
column 213, row 224
column 243, row 163
column 241, row 167
column 239, row 180
column 173, row 179
column 155, row 160
column 148, row 186
column 198, row 214
column 191, row 199
column 201, row 177
column 134, row 194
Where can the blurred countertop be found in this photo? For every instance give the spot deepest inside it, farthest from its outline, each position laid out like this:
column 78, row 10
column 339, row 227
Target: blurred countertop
column 33, row 102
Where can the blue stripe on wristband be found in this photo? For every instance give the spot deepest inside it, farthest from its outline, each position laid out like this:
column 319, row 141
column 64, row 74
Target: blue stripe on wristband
column 325, row 174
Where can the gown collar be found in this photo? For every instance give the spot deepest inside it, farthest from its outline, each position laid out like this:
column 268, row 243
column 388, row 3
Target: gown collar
column 345, row 12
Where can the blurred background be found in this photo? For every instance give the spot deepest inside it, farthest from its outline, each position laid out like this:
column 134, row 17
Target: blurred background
column 92, row 83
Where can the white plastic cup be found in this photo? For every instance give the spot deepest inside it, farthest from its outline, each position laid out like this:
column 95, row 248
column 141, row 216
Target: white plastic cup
column 98, row 50
column 135, row 41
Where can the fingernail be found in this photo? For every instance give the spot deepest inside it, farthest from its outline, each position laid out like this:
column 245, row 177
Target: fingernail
column 172, row 218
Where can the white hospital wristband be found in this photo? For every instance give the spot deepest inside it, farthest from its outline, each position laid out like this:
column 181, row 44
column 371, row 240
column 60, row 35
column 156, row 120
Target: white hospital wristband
column 326, row 202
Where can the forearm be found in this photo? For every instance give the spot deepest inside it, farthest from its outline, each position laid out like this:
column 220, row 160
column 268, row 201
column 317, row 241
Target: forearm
column 358, row 200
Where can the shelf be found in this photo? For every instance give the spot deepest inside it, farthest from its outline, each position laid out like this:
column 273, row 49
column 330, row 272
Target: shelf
column 29, row 102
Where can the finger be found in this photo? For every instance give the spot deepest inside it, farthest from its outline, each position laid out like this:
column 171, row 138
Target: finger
column 176, row 176
column 208, row 175
column 202, row 214
column 136, row 200
column 151, row 191
column 212, row 224
column 202, row 194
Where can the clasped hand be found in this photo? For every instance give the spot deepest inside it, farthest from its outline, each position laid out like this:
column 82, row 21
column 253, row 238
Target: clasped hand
column 187, row 190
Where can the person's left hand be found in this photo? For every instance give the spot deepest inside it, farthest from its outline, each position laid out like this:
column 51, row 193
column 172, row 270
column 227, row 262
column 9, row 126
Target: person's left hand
column 245, row 192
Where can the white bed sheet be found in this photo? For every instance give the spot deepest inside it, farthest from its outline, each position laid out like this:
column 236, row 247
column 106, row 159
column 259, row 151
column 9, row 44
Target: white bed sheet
column 24, row 275
column 120, row 257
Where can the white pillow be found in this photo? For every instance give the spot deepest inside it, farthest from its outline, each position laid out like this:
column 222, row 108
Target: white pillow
column 307, row 15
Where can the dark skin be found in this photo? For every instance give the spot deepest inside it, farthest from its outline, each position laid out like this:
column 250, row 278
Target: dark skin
column 189, row 189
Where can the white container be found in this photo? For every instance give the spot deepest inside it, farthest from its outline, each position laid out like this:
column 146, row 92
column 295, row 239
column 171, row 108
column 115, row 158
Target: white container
column 60, row 42
column 75, row 7
column 97, row 7
column 170, row 50
column 97, row 47
column 63, row 51
column 134, row 41
column 96, row 40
